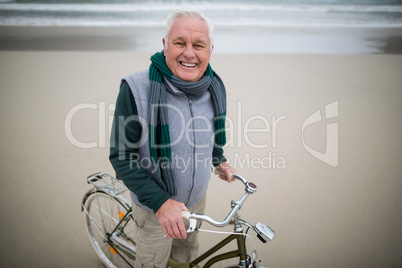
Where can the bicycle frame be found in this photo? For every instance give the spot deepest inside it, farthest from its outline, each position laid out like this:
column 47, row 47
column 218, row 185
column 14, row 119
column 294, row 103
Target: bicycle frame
column 240, row 239
column 114, row 241
column 241, row 251
column 238, row 235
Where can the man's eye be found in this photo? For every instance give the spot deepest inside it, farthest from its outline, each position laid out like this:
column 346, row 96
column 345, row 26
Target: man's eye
column 198, row 46
column 179, row 44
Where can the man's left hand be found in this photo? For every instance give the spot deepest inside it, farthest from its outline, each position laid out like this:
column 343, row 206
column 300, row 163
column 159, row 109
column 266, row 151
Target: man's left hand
column 227, row 172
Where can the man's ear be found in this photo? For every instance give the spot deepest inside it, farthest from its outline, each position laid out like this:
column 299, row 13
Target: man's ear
column 164, row 46
column 210, row 53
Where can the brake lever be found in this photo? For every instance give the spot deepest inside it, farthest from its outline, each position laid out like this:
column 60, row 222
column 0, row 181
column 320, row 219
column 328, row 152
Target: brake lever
column 193, row 222
column 193, row 226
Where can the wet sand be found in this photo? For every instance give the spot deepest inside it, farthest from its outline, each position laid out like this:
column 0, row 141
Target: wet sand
column 227, row 40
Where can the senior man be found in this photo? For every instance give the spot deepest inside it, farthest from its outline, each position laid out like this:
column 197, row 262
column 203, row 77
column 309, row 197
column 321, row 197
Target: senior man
column 168, row 131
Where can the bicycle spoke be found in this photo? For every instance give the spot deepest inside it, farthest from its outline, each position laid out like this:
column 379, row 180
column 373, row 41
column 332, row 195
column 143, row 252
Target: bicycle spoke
column 103, row 214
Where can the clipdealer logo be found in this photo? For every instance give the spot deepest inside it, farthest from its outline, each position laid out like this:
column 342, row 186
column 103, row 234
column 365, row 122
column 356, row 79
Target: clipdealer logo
column 330, row 156
column 272, row 160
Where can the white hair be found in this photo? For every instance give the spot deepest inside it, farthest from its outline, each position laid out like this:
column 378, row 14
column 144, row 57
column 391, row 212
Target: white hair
column 188, row 14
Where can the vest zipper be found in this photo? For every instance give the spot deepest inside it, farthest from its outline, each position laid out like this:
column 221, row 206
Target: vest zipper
column 190, row 104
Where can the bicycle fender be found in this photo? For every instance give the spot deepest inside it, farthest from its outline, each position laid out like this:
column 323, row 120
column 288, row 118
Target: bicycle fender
column 91, row 191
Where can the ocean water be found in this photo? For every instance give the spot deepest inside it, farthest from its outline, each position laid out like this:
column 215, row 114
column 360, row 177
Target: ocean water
column 248, row 26
column 262, row 13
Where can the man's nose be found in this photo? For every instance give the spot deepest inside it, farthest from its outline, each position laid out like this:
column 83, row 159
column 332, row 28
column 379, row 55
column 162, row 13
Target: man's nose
column 189, row 51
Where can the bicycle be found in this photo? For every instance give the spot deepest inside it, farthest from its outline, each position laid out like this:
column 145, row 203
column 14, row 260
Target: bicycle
column 110, row 225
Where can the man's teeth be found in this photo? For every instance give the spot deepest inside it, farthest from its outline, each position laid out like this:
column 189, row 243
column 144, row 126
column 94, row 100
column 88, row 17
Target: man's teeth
column 188, row 64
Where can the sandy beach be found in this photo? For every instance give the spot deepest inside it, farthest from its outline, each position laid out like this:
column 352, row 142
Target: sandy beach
column 341, row 212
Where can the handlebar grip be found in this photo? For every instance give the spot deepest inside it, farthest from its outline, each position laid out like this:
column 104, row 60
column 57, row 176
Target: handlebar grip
column 233, row 175
column 217, row 172
column 185, row 215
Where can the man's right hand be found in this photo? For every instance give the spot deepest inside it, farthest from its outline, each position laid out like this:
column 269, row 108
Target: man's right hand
column 169, row 216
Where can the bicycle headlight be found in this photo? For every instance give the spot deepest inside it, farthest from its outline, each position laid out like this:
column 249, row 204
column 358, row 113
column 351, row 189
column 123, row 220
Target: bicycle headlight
column 264, row 232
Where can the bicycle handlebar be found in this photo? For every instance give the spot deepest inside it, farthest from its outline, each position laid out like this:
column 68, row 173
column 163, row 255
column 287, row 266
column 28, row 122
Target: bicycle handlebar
column 250, row 187
column 236, row 205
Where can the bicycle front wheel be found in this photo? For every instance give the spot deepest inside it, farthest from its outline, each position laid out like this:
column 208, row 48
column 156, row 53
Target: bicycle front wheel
column 102, row 215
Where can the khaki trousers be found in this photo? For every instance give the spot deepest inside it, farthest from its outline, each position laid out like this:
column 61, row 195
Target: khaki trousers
column 153, row 249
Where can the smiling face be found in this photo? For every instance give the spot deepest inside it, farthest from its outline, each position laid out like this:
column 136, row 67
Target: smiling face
column 188, row 49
